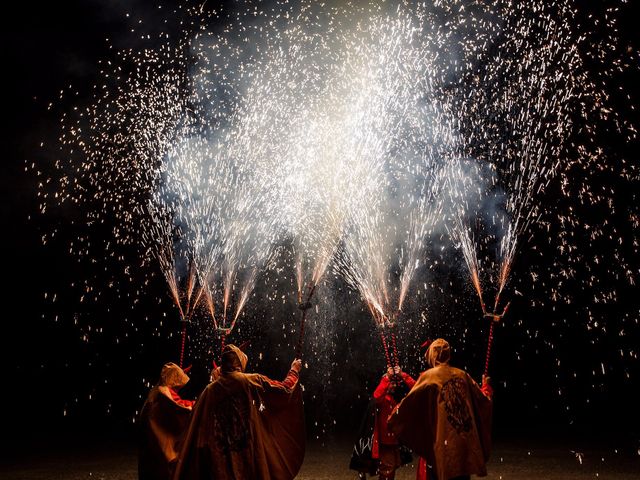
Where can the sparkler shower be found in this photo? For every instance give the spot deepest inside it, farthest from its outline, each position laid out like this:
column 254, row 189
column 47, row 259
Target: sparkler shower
column 360, row 142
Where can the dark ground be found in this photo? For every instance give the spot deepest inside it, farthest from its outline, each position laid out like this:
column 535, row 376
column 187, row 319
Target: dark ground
column 537, row 459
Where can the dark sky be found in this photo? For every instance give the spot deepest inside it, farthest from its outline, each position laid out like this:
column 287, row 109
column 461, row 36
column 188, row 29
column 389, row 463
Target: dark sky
column 48, row 45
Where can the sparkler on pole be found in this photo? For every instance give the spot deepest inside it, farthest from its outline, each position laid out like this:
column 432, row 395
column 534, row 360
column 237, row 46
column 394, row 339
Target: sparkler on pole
column 379, row 319
column 304, row 307
column 219, row 329
column 466, row 243
column 187, row 311
column 161, row 237
column 326, row 236
column 494, row 318
column 395, row 208
column 197, row 125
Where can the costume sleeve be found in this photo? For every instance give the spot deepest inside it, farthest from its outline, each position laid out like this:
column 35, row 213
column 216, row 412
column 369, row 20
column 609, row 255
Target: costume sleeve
column 483, row 409
column 487, row 390
column 382, row 387
column 287, row 384
column 176, row 398
column 408, row 380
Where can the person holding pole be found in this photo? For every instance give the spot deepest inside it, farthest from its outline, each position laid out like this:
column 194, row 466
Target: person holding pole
column 245, row 426
column 446, row 419
column 377, row 450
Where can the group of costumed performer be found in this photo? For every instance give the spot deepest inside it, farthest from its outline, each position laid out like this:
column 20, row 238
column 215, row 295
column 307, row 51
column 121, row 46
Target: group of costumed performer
column 243, row 426
column 247, row 426
column 444, row 417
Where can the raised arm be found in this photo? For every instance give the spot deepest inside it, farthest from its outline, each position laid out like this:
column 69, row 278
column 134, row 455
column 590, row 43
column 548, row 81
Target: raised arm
column 382, row 387
column 408, row 380
column 290, row 380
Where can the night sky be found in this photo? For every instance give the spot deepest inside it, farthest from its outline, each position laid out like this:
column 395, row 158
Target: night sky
column 85, row 367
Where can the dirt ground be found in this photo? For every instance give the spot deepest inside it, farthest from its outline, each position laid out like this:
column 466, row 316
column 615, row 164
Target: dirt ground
column 509, row 462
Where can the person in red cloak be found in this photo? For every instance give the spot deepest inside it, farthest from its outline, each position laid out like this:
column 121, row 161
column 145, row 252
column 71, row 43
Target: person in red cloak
column 446, row 420
column 163, row 421
column 245, row 426
column 392, row 388
column 377, row 449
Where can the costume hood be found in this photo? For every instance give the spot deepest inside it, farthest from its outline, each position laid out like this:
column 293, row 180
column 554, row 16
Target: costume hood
column 231, row 355
column 172, row 376
column 438, row 353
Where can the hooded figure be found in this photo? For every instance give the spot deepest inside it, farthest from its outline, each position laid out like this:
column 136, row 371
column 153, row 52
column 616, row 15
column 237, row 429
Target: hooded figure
column 446, row 419
column 163, row 421
column 245, row 426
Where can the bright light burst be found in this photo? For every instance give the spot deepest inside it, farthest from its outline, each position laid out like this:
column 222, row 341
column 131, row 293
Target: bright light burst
column 353, row 133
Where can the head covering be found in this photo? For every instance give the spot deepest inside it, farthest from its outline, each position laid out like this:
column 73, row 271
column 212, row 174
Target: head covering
column 398, row 388
column 233, row 359
column 173, row 376
column 438, row 352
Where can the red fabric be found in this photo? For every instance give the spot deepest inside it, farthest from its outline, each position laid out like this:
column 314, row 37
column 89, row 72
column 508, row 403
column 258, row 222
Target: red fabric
column 179, row 400
column 487, row 390
column 421, row 474
column 385, row 404
column 289, row 382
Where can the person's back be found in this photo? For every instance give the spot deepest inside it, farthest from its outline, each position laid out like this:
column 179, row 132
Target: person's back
column 245, row 426
column 461, row 417
column 446, row 419
column 163, row 421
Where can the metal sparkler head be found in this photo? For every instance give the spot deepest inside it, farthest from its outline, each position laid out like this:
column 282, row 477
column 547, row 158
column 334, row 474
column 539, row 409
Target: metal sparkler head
column 389, row 322
column 305, row 305
column 496, row 317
